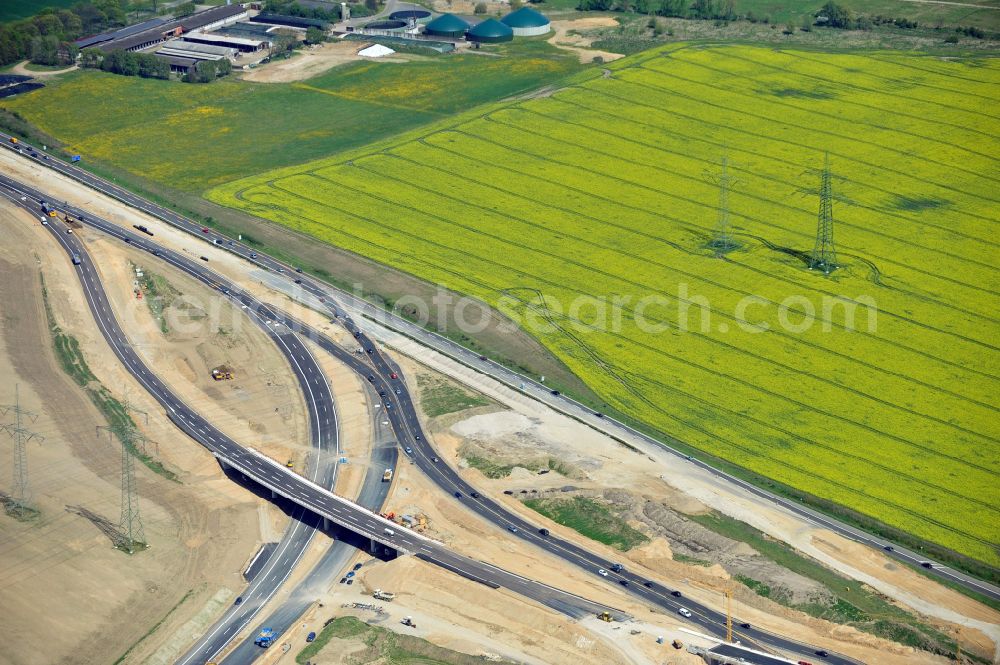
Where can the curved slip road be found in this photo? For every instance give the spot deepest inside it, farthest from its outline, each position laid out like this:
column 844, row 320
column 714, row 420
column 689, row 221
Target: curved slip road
column 530, row 387
column 401, row 412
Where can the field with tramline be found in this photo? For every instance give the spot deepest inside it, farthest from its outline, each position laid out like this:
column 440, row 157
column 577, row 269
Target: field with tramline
column 586, row 214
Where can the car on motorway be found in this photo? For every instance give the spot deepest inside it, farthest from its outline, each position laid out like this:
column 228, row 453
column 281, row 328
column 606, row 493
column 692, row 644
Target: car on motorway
column 602, row 572
column 510, row 527
column 128, row 241
column 204, row 229
column 555, row 392
column 253, row 255
column 298, row 281
column 475, row 495
column 543, row 532
column 623, row 582
column 298, row 270
column 804, row 662
column 435, row 460
column 70, row 231
column 239, row 600
column 684, row 612
column 204, row 258
column 482, row 357
column 398, row 391
column 647, row 584
column 409, row 451
column 822, row 653
column 745, row 625
column 417, row 437
column 393, row 376
column 371, row 377
column 926, row 564
column 675, row 594
column 458, row 495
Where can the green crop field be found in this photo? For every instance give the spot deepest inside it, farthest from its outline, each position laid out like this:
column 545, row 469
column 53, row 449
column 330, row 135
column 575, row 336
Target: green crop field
column 600, row 198
column 192, row 137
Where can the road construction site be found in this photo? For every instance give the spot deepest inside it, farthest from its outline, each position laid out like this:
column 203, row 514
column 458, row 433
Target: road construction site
column 590, row 461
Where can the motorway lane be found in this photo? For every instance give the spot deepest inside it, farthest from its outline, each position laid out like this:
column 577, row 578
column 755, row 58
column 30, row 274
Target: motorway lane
column 378, row 369
column 372, row 495
column 320, row 468
column 616, row 429
column 262, row 469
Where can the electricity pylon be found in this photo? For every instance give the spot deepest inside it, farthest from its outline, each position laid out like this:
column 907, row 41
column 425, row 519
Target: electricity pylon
column 824, row 255
column 131, row 533
column 722, row 239
column 21, row 495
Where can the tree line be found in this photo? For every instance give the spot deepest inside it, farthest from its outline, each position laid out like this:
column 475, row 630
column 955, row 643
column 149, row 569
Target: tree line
column 147, row 65
column 46, row 38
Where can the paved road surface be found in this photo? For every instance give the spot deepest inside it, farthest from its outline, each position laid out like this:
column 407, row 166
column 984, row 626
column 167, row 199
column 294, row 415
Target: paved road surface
column 407, row 427
column 525, row 384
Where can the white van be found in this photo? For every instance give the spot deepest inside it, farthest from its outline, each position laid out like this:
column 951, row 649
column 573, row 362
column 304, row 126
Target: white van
column 389, row 532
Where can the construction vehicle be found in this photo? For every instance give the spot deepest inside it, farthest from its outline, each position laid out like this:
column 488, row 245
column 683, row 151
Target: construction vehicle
column 387, row 475
column 222, row 373
column 14, row 140
column 387, row 596
column 265, row 637
column 49, row 210
column 605, row 616
column 677, row 644
column 290, row 463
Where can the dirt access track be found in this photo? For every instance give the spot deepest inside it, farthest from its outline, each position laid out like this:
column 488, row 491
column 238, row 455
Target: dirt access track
column 65, row 592
column 640, row 470
column 312, row 61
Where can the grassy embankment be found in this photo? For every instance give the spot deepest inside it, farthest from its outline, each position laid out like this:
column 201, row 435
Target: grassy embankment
column 540, row 205
column 384, row 646
column 73, row 363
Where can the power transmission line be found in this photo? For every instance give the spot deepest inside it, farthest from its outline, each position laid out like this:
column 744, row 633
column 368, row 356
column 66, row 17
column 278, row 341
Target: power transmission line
column 824, row 255
column 20, row 502
column 131, row 534
column 722, row 240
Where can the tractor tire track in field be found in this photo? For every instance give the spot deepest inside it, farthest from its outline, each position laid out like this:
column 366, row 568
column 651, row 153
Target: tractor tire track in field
column 668, row 195
column 693, row 276
column 701, row 232
column 710, row 209
column 723, row 73
column 464, row 277
column 709, row 164
column 739, row 352
column 847, row 157
column 904, row 65
column 829, row 117
column 653, row 109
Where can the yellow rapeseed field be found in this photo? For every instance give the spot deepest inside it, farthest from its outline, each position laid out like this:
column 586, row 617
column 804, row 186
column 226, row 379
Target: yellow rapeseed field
column 586, row 216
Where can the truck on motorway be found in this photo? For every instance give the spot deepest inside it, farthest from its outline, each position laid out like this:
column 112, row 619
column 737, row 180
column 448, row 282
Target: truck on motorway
column 387, row 475
column 48, row 210
column 265, row 637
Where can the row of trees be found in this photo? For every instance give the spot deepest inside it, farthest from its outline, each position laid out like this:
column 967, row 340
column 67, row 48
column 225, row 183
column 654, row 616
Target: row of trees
column 126, row 63
column 148, row 65
column 46, row 37
column 700, row 9
column 331, row 13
